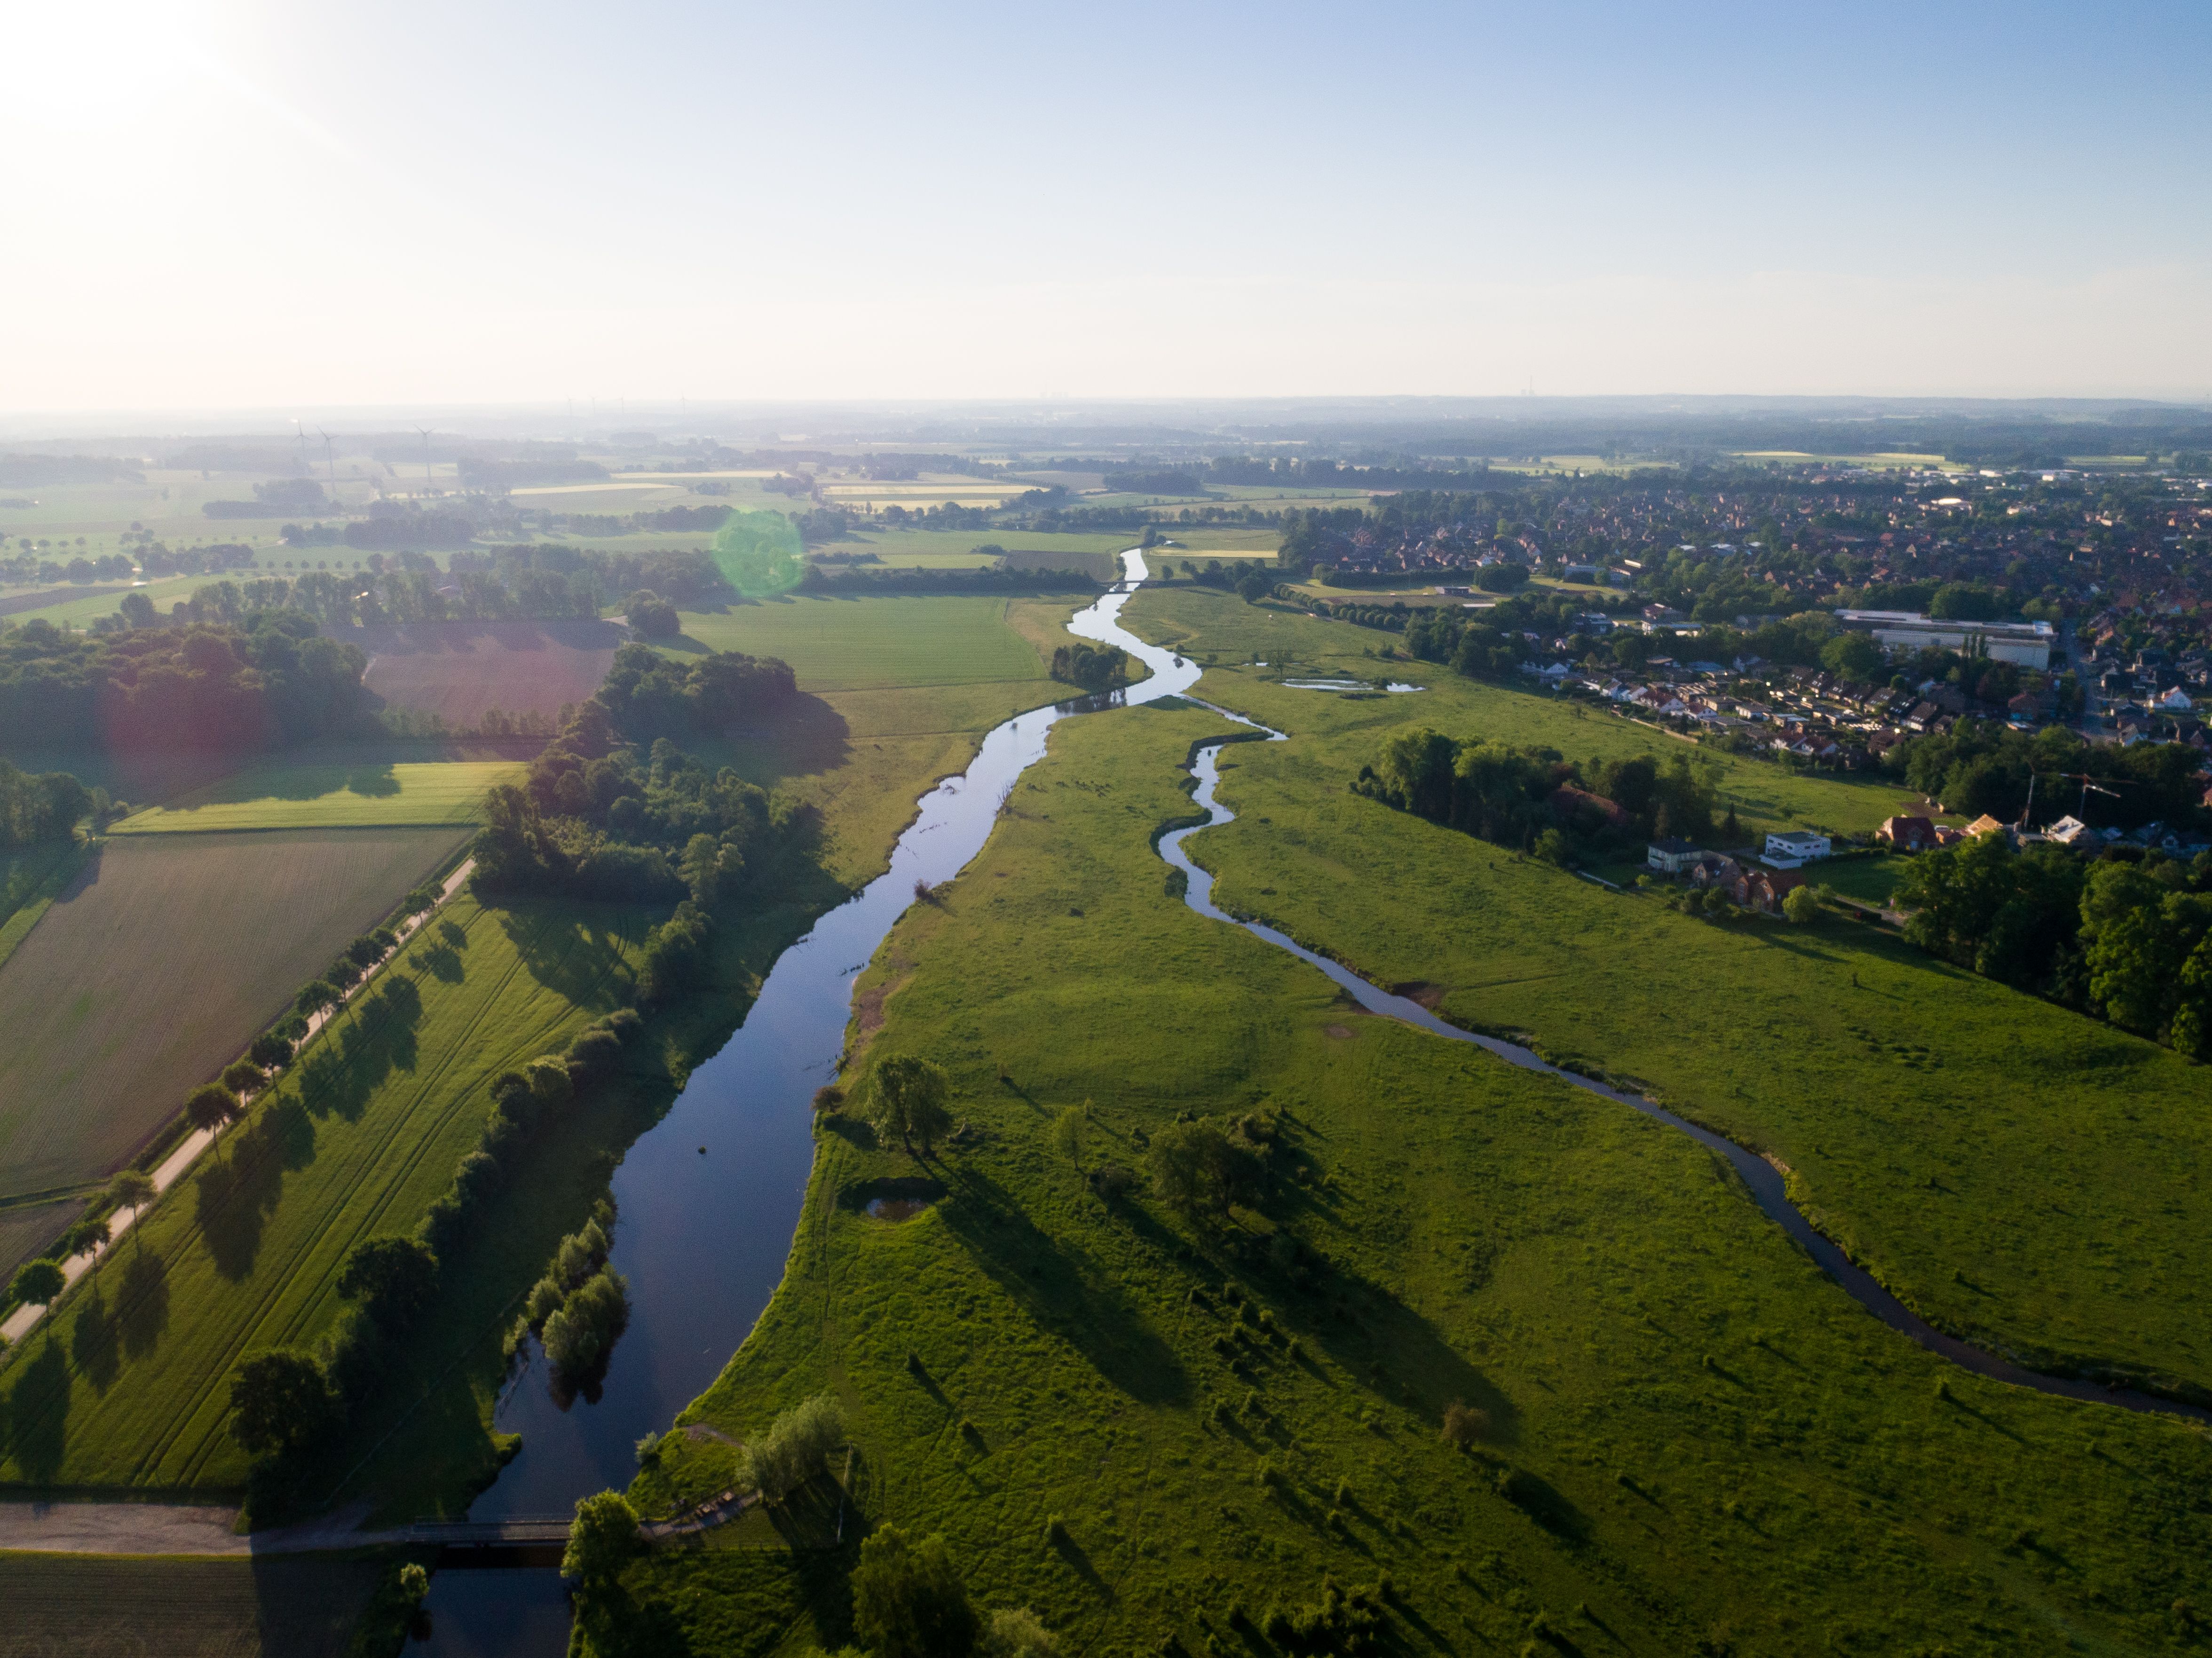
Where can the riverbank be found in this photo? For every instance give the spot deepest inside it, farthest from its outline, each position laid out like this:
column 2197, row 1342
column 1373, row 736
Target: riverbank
column 1722, row 1438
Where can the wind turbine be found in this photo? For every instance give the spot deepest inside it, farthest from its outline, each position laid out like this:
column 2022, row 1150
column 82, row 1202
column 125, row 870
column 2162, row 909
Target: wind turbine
column 425, row 431
column 329, row 464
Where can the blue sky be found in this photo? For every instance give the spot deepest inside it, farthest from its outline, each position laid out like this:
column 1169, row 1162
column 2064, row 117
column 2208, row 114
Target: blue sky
column 244, row 203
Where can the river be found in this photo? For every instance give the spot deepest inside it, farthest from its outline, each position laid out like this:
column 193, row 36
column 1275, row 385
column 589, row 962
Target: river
column 709, row 1197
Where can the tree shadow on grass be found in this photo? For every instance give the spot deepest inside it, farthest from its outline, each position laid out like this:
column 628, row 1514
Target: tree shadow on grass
column 368, row 1042
column 576, row 959
column 237, row 1191
column 1053, row 1288
column 38, row 1414
column 143, row 1303
column 93, row 1346
column 807, row 738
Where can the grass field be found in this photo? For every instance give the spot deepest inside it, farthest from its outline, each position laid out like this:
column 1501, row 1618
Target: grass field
column 126, row 1384
column 68, row 1605
column 839, row 643
column 863, row 757
column 373, row 794
column 2017, row 1172
column 1713, row 1449
column 157, row 965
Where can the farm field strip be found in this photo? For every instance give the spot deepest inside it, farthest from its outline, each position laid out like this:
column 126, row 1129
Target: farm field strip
column 282, row 797
column 187, row 1151
column 158, row 964
column 359, row 1135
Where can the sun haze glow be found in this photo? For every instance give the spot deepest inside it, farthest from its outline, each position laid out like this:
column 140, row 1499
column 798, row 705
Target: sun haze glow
column 244, row 205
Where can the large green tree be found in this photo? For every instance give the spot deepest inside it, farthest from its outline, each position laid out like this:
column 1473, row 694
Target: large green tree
column 393, row 1279
column 281, row 1401
column 909, row 1101
column 908, row 1600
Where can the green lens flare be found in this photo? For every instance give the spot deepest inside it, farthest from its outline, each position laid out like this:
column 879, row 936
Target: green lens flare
column 760, row 553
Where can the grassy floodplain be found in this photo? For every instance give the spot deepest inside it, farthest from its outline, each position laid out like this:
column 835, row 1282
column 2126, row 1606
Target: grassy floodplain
column 1692, row 1441
column 895, row 692
column 127, row 1384
column 157, row 965
column 2015, row 1172
column 370, row 794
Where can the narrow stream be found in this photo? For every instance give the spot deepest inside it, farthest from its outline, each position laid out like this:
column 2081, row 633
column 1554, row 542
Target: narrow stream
column 709, row 1197
column 1765, row 1181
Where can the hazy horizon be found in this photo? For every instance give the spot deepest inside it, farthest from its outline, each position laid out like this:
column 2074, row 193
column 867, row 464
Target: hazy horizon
column 229, row 205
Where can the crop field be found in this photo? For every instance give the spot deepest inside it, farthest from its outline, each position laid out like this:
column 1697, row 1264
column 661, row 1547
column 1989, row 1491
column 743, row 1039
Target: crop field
column 1151, row 1428
column 2017, row 1172
column 157, row 965
column 458, row 669
column 63, row 1605
column 839, row 643
column 127, row 1386
column 367, row 794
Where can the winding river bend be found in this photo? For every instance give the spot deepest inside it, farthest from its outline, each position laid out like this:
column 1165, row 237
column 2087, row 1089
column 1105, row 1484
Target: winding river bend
column 710, row 1197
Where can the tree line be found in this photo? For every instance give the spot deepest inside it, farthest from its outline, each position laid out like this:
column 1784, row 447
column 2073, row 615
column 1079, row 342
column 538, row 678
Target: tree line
column 2124, row 934
column 270, row 677
column 291, row 1406
column 1538, row 801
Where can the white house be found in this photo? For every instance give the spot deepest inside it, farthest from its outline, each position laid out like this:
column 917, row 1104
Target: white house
column 2177, row 701
column 1794, row 847
column 2066, row 831
column 1671, row 857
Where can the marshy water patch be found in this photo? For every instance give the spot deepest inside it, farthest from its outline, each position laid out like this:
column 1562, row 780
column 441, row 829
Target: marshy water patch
column 894, row 1200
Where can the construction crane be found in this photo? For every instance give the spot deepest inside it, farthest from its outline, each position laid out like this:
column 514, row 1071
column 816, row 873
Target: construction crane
column 2089, row 786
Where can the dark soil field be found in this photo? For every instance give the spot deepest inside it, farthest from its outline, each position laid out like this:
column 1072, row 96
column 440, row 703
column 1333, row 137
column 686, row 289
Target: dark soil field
column 157, row 965
column 458, row 669
column 69, row 1604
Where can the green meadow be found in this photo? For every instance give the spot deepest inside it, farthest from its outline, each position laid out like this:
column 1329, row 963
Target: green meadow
column 369, row 794
column 2016, row 1173
column 876, row 642
column 1160, row 1431
column 896, row 693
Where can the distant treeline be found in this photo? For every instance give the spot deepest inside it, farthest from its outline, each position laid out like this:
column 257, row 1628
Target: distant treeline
column 30, row 567
column 519, row 583
column 706, row 517
column 30, row 471
column 270, row 677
